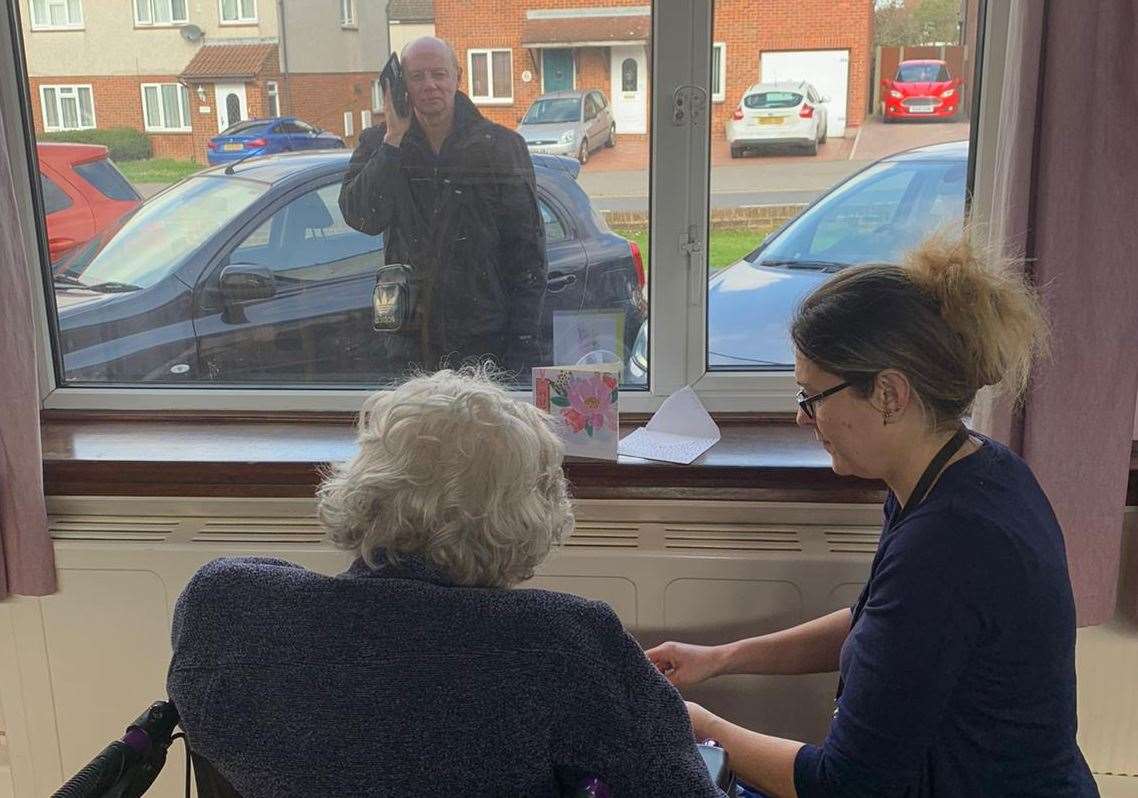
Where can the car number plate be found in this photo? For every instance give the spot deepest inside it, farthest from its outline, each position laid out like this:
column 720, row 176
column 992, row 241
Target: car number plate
column 920, row 109
column 233, row 147
column 770, row 120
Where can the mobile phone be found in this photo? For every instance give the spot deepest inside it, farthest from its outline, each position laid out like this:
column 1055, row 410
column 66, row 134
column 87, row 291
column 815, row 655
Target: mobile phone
column 392, row 78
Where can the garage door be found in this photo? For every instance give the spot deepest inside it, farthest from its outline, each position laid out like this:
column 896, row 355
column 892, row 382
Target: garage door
column 827, row 70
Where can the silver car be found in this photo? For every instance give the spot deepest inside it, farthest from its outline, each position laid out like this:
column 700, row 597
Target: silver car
column 572, row 123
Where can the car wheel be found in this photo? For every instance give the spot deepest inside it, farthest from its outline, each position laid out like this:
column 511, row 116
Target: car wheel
column 736, row 152
column 612, row 137
column 825, row 134
column 583, row 155
column 812, row 148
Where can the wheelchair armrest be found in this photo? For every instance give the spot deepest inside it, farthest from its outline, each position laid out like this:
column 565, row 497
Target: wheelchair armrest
column 715, row 758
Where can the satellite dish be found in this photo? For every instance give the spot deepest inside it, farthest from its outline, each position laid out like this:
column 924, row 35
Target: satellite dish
column 191, row 33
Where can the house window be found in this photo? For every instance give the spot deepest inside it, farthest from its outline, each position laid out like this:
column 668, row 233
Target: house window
column 272, row 99
column 160, row 12
column 67, row 107
column 349, row 129
column 57, row 14
column 491, row 76
column 347, row 12
column 376, row 96
column 365, row 120
column 718, row 71
column 238, row 11
column 166, row 107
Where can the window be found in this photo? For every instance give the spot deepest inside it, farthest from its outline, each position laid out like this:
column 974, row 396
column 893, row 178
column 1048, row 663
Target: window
column 491, row 79
column 54, row 197
column 67, row 107
column 376, row 96
column 347, row 13
column 160, row 12
column 272, row 99
column 107, row 180
column 348, row 129
column 629, row 80
column 554, row 229
column 238, row 11
column 718, row 72
column 365, row 120
column 50, row 14
column 166, row 107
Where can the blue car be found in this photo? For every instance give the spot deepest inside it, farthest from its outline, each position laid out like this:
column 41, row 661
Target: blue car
column 266, row 137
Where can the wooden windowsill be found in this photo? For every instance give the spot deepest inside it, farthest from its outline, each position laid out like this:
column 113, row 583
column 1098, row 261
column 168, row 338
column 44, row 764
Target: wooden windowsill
column 281, row 456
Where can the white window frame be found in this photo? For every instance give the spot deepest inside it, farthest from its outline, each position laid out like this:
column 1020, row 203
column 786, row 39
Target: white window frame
column 73, row 88
column 240, row 20
column 348, row 14
column 272, row 91
column 42, row 24
column 721, row 95
column 365, row 120
column 184, row 95
column 150, row 23
column 349, row 123
column 678, row 285
column 480, row 99
column 376, row 96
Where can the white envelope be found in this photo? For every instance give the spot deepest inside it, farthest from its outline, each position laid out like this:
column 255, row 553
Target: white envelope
column 679, row 432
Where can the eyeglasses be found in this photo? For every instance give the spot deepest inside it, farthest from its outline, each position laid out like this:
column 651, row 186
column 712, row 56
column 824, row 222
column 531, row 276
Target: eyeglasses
column 807, row 402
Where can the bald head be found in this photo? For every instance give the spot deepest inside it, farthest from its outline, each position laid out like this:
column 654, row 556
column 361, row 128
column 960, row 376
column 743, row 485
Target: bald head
column 431, row 71
column 428, row 45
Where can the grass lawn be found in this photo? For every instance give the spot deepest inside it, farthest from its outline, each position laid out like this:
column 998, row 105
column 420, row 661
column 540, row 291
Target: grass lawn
column 727, row 246
column 157, row 170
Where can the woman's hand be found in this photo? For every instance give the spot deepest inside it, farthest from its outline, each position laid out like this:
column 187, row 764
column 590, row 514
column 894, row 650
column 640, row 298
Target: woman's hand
column 684, row 664
column 702, row 722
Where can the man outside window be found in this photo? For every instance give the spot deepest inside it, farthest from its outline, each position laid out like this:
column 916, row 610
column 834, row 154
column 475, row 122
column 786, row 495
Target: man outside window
column 455, row 197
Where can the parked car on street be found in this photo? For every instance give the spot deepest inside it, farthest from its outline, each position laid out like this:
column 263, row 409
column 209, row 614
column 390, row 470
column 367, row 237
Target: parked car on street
column 873, row 216
column 572, row 123
column 268, row 136
column 792, row 113
column 921, row 89
column 83, row 193
column 255, row 278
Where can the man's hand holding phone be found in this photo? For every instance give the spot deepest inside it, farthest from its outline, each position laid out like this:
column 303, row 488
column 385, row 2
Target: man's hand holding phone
column 397, row 126
column 397, row 110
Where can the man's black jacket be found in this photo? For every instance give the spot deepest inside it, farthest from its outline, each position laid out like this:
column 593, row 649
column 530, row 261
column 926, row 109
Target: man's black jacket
column 468, row 221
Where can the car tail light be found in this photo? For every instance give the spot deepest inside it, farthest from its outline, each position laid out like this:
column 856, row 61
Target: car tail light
column 948, row 93
column 738, row 113
column 637, row 263
column 254, row 144
column 806, row 112
column 211, row 144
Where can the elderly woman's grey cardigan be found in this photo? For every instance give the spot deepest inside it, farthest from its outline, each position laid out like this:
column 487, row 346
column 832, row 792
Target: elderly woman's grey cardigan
column 393, row 682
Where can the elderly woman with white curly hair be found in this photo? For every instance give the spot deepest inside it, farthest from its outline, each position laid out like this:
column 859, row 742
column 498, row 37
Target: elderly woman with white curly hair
column 421, row 671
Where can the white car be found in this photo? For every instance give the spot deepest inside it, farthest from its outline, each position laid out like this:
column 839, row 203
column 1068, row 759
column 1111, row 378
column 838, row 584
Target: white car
column 779, row 113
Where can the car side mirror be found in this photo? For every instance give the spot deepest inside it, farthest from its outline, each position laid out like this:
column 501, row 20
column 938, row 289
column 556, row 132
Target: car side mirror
column 242, row 282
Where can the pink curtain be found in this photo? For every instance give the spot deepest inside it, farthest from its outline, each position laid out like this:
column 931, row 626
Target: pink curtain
column 1067, row 194
column 27, row 564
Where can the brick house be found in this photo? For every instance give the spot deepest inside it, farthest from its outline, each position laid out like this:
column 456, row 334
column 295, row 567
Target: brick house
column 183, row 70
column 512, row 51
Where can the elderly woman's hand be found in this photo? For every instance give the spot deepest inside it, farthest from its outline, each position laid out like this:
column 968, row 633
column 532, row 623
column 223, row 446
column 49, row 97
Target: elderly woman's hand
column 703, row 723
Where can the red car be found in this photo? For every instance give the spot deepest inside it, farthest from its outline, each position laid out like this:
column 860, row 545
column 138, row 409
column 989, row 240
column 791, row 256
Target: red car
column 83, row 193
column 921, row 89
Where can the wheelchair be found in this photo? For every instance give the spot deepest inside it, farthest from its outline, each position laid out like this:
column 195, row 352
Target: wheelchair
column 127, row 768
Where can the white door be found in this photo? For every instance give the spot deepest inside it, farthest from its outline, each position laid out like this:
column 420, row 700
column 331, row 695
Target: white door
column 827, row 70
column 231, row 105
column 630, row 89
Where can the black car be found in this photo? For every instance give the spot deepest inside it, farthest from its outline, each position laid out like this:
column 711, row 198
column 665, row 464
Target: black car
column 253, row 277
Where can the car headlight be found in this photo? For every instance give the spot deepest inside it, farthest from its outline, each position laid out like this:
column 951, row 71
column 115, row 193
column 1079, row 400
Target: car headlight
column 638, row 360
column 948, row 93
column 896, row 95
column 569, row 136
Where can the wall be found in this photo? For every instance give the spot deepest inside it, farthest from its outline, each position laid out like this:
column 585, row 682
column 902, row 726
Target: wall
column 322, row 99
column 110, row 44
column 402, row 33
column 317, row 43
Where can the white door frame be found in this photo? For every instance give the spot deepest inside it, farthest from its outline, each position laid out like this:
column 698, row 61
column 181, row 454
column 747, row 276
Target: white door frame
column 220, row 90
column 629, row 110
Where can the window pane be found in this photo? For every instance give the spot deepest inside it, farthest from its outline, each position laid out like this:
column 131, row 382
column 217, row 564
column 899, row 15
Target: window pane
column 501, row 62
column 184, row 96
column 784, row 138
column 54, row 198
column 248, row 9
column 107, row 180
column 74, row 13
column 70, row 111
column 142, row 10
column 39, row 12
column 50, row 108
column 478, row 75
column 716, row 56
column 162, row 12
column 58, row 13
column 171, row 108
column 153, row 109
column 86, row 107
column 178, row 10
column 229, row 10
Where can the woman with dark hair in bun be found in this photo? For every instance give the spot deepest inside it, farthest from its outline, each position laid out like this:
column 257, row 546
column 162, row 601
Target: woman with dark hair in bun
column 957, row 663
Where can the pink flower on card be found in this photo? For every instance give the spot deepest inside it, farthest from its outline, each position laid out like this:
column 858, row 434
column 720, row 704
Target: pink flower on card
column 591, row 397
column 575, row 420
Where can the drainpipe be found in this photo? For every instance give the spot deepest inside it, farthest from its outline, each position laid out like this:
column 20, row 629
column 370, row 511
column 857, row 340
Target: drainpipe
column 286, row 87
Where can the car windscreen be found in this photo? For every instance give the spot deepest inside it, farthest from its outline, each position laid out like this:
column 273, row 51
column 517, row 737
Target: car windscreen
column 158, row 237
column 244, row 128
column 921, row 73
column 874, row 217
column 772, row 99
column 545, row 112
column 108, row 180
